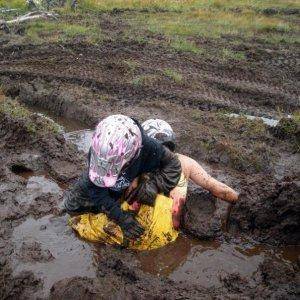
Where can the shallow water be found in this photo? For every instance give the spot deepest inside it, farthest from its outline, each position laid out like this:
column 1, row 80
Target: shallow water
column 81, row 138
column 72, row 257
column 203, row 262
column 66, row 124
column 37, row 186
column 268, row 121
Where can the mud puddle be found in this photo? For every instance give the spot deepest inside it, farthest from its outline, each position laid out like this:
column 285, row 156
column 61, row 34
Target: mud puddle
column 74, row 131
column 39, row 181
column 50, row 249
column 204, row 262
column 37, row 186
column 67, row 124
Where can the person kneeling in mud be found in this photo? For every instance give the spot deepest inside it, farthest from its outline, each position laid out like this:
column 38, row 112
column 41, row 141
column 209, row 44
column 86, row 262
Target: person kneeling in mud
column 163, row 132
column 119, row 153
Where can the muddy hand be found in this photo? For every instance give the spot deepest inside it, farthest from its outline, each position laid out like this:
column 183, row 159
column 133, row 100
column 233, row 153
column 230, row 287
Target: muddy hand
column 131, row 228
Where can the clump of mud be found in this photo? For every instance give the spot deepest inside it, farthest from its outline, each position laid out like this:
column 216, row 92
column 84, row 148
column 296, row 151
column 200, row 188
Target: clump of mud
column 270, row 212
column 200, row 217
column 24, row 133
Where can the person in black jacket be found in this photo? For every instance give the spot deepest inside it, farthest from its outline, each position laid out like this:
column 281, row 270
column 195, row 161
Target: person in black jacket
column 121, row 152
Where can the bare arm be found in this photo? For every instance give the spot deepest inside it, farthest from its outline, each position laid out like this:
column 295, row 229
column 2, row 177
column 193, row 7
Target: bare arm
column 200, row 177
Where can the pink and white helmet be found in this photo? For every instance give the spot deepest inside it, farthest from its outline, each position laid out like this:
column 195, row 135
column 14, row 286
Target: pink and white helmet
column 116, row 141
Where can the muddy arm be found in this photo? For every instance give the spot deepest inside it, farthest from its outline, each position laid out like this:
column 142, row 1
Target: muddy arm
column 200, row 177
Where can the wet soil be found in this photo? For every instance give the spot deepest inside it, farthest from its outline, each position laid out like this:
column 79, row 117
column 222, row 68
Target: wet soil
column 251, row 252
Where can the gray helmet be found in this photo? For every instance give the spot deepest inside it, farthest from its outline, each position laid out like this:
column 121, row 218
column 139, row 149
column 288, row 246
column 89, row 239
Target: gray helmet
column 161, row 131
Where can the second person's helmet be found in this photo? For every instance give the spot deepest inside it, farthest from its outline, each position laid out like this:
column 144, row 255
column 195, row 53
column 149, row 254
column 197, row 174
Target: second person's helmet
column 161, row 131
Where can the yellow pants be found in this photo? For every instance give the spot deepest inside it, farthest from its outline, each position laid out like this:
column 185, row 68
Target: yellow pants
column 156, row 220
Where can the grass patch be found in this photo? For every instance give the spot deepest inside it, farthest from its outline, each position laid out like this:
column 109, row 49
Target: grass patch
column 39, row 31
column 33, row 123
column 227, row 54
column 148, row 79
column 173, row 75
column 108, row 5
column 130, row 65
column 212, row 19
column 208, row 23
column 296, row 117
column 183, row 45
column 185, row 5
column 13, row 4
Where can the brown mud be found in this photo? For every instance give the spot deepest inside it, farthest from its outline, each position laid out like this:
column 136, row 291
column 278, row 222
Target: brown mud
column 253, row 252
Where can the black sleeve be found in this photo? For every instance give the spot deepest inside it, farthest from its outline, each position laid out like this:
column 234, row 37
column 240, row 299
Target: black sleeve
column 104, row 201
column 162, row 180
column 168, row 175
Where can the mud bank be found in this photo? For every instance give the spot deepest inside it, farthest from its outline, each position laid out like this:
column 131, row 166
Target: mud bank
column 41, row 257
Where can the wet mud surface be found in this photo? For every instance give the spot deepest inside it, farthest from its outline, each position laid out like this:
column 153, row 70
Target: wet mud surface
column 246, row 251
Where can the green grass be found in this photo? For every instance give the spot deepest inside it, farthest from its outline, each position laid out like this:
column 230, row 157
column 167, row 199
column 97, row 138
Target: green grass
column 182, row 23
column 183, row 45
column 296, row 117
column 147, row 79
column 33, row 125
column 185, row 5
column 14, row 4
column 39, row 31
column 227, row 54
column 173, row 75
column 130, row 65
column 108, row 5
column 217, row 24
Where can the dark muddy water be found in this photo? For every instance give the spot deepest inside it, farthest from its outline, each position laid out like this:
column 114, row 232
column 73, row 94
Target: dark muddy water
column 68, row 256
column 203, row 262
column 62, row 255
column 66, row 124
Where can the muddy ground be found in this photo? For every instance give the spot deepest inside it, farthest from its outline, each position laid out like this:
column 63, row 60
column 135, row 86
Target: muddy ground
column 251, row 252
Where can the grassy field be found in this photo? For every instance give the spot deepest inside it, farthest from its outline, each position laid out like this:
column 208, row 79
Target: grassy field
column 179, row 21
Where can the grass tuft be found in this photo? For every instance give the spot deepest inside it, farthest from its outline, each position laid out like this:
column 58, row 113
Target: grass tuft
column 147, row 79
column 35, row 125
column 183, row 45
column 173, row 75
column 39, row 31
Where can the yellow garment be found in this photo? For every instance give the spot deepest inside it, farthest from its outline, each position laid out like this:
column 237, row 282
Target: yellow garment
column 157, row 222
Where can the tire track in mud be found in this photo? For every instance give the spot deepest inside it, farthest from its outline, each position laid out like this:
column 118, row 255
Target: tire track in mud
column 207, row 85
column 209, row 99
